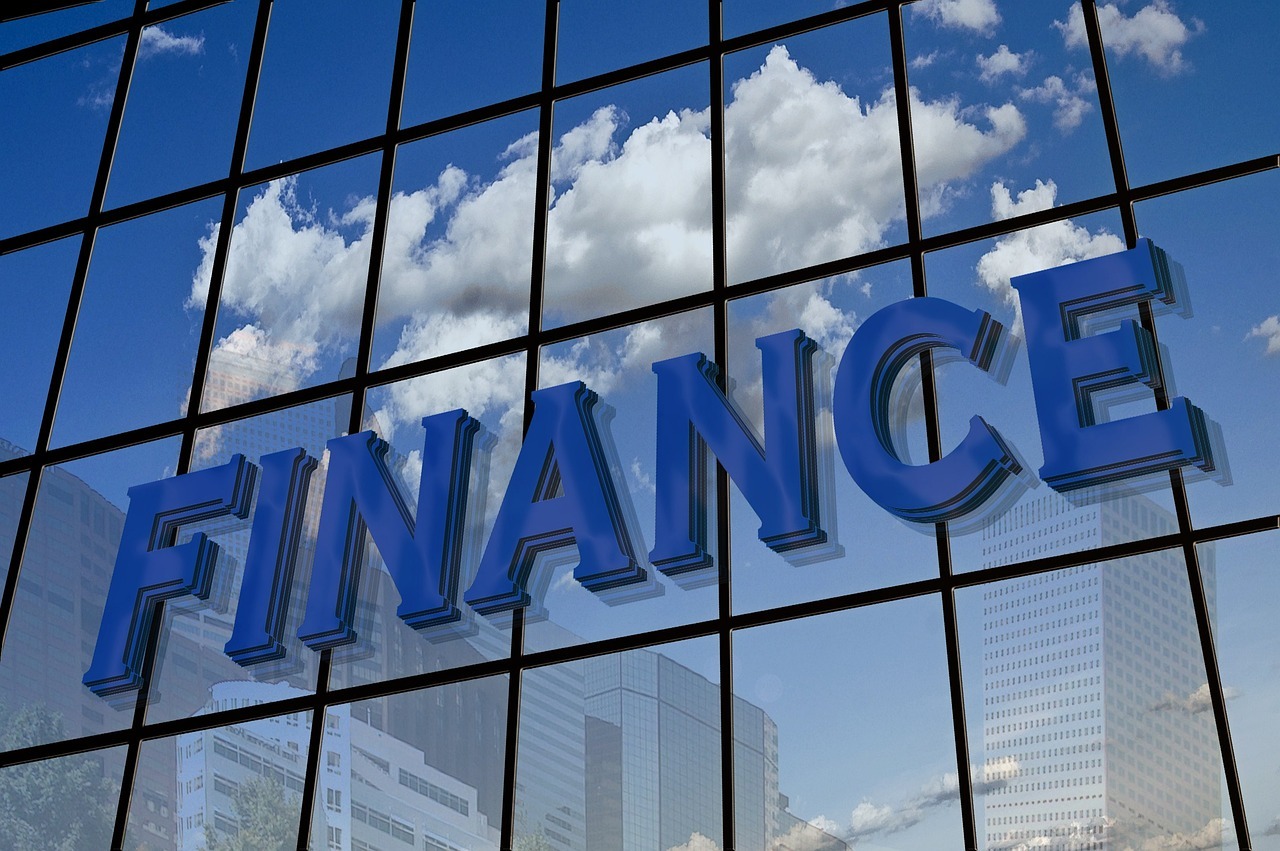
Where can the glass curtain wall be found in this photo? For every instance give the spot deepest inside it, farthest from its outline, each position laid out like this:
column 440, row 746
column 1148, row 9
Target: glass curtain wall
column 239, row 227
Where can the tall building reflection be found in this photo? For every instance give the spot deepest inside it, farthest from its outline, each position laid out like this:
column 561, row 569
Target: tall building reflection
column 1096, row 727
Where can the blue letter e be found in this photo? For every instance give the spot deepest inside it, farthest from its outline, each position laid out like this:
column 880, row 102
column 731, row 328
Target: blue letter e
column 150, row 569
column 1067, row 369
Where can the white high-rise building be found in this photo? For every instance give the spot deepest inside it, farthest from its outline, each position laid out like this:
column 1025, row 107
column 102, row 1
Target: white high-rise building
column 1095, row 725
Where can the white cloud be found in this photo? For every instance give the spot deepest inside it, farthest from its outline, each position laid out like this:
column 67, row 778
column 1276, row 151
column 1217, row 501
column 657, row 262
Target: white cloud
column 1195, row 703
column 157, row 41
column 924, row 60
column 1203, row 839
column 1042, row 247
column 1003, row 61
column 630, row 219
column 697, row 842
column 1070, row 107
column 980, row 16
column 1154, row 32
column 1269, row 330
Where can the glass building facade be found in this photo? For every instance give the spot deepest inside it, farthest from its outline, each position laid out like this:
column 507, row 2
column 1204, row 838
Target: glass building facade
column 240, row 227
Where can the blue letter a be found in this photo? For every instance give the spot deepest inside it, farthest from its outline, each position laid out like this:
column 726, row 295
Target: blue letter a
column 561, row 492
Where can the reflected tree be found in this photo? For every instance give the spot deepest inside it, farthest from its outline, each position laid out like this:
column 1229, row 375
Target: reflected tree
column 267, row 819
column 56, row 805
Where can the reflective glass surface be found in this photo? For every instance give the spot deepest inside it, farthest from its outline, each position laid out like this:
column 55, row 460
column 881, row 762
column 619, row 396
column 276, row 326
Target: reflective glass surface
column 630, row 205
column 624, row 751
column 294, row 286
column 240, row 783
column 139, row 295
column 66, row 568
column 56, row 114
column 189, row 80
column 617, row 366
column 40, row 278
column 422, row 769
column 855, row 753
column 464, row 56
column 1031, row 520
column 457, row 259
column 1078, row 731
column 812, row 164
column 1051, row 668
column 866, row 547
column 1000, row 105
column 322, row 59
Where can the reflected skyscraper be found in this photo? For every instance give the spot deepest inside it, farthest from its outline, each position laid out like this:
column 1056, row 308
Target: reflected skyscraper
column 1096, row 726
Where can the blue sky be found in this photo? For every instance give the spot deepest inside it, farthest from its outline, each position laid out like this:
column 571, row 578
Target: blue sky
column 1007, row 121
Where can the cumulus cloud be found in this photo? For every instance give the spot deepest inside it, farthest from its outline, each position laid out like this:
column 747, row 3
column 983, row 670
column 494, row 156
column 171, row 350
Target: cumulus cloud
column 1206, row 838
column 977, row 15
column 1195, row 703
column 1003, row 61
column 1154, row 32
column 870, row 819
column 1070, row 106
column 697, row 842
column 629, row 219
column 1032, row 249
column 924, row 60
column 1269, row 330
column 157, row 41
column 814, row 173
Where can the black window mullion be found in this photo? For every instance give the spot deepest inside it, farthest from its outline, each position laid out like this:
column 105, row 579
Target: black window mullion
column 1204, row 627
column 723, row 494
column 537, row 279
column 933, row 431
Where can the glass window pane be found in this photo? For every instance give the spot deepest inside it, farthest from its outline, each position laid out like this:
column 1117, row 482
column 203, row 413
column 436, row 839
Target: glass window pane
column 618, row 366
column 59, row 803
column 812, row 164
column 387, row 647
column 1031, row 520
column 455, row 269
column 465, row 55
column 598, row 37
column 862, row 756
column 866, row 546
column 999, row 105
column 62, row 587
column 323, row 58
column 138, row 300
column 744, row 16
column 241, row 783
column 56, row 113
column 293, row 292
column 1241, row 584
column 424, row 769
column 184, row 100
column 624, row 751
column 198, row 630
column 13, row 490
column 35, row 29
column 1076, row 687
column 1223, row 355
column 1164, row 56
column 630, row 217
column 39, row 279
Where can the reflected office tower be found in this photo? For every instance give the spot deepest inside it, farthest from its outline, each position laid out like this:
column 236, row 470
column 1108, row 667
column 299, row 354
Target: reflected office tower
column 1096, row 727
column 372, row 788
column 653, row 758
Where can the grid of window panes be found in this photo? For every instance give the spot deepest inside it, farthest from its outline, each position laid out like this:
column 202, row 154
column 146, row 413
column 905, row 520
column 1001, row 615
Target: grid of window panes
column 246, row 226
